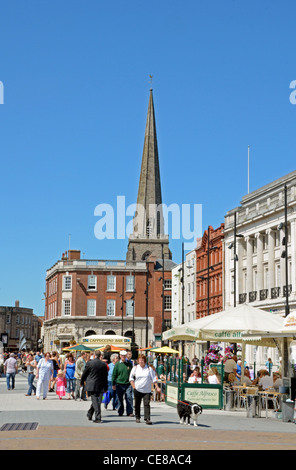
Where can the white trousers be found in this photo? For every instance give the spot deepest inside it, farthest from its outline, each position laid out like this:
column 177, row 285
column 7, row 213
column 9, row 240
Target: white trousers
column 42, row 383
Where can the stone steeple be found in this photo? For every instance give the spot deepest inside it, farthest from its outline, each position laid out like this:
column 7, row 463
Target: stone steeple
column 148, row 236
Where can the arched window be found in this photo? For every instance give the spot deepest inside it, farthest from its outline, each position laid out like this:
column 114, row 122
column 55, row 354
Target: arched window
column 90, row 333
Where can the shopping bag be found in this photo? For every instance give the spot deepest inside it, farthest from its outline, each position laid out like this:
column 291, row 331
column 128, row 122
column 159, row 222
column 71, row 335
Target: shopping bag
column 106, row 397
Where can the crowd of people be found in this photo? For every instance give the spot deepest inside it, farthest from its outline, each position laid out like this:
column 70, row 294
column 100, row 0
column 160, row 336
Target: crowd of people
column 265, row 378
column 96, row 375
column 115, row 379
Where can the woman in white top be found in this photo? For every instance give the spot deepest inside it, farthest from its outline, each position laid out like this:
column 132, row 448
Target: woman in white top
column 141, row 378
column 44, row 374
column 213, row 376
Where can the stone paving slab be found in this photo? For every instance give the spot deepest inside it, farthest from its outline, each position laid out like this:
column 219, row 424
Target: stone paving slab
column 63, row 425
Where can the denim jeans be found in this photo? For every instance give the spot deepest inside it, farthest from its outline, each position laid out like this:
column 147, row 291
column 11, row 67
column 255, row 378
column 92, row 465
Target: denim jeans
column 113, row 394
column 12, row 377
column 125, row 391
column 31, row 378
column 71, row 385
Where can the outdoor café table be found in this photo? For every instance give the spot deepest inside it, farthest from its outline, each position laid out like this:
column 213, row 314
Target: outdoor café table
column 238, row 390
column 268, row 394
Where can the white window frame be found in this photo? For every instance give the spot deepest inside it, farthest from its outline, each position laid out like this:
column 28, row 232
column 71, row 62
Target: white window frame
column 91, row 307
column 110, row 308
column 130, row 283
column 92, row 282
column 111, row 283
column 129, row 311
column 67, row 279
column 68, row 308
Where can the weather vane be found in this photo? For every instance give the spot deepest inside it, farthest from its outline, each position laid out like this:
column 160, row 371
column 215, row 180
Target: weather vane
column 151, row 78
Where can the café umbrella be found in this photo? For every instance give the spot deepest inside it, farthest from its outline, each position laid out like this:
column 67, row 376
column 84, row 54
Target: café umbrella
column 78, row 347
column 165, row 350
column 229, row 326
column 113, row 348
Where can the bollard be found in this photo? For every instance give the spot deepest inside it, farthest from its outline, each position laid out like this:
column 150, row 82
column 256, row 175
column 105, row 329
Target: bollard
column 252, row 406
column 229, row 400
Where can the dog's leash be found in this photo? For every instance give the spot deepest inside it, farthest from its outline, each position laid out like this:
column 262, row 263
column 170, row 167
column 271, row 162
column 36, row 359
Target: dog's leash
column 175, row 399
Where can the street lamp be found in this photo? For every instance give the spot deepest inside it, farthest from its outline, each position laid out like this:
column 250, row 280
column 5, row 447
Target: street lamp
column 146, row 292
column 122, row 303
column 287, row 308
column 284, row 253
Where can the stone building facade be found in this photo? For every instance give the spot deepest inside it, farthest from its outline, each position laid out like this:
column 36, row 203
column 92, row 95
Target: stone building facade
column 260, row 258
column 21, row 326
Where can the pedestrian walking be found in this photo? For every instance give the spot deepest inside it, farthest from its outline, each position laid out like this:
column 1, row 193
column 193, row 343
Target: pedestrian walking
column 113, row 396
column 44, row 374
column 61, row 384
column 10, row 369
column 142, row 377
column 69, row 369
column 56, row 368
column 80, row 366
column 121, row 383
column 31, row 367
column 95, row 376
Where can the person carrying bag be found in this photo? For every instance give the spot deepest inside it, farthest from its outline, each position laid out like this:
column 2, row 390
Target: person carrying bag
column 141, row 378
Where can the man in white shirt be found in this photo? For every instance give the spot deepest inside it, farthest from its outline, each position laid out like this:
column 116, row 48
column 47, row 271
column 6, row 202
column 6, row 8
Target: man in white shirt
column 141, row 378
column 10, row 369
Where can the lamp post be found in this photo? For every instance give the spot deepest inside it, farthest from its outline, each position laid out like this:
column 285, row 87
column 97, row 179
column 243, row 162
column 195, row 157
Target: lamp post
column 287, row 307
column 122, row 303
column 146, row 292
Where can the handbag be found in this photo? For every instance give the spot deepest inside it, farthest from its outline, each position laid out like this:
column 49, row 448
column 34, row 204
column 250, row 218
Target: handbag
column 106, row 397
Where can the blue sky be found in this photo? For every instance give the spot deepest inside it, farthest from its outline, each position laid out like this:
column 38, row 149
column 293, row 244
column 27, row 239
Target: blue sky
column 76, row 90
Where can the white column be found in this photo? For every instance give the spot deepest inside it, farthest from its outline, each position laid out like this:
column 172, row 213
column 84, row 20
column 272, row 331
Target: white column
column 271, row 255
column 292, row 253
column 260, row 273
column 240, row 254
column 249, row 241
column 227, row 285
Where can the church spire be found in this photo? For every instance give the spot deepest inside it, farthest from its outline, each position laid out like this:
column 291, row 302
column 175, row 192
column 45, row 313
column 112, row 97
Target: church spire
column 148, row 236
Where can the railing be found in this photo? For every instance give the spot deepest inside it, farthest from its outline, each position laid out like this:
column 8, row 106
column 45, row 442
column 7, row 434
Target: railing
column 242, row 298
column 289, row 290
column 263, row 294
column 252, row 296
column 275, row 292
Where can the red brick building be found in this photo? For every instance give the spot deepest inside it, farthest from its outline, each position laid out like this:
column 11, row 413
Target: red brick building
column 209, row 272
column 86, row 297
